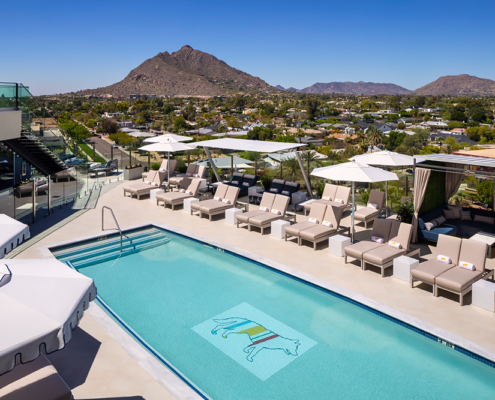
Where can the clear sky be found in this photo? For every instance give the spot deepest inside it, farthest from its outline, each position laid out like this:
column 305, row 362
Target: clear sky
column 62, row 46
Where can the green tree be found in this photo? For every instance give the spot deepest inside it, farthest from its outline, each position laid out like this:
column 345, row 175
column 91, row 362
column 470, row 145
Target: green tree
column 484, row 192
column 394, row 140
column 299, row 134
column 374, row 135
column 179, row 123
column 311, row 104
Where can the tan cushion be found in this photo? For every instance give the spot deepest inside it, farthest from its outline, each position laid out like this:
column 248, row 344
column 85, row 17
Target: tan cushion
column 381, row 228
column 264, row 219
column 324, row 202
column 37, row 379
column 365, row 213
column 429, row 270
column 176, row 180
column 377, row 197
column 474, row 252
column 383, row 255
column 197, row 204
column 140, row 188
column 330, row 191
column 317, row 232
column 267, row 200
column 172, row 197
column 458, row 278
column 295, row 229
column 318, row 210
column 342, row 193
column 211, row 208
column 357, row 250
column 403, row 235
column 244, row 217
column 449, row 246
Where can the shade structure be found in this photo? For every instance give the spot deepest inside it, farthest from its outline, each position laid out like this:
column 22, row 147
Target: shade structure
column 41, row 301
column 228, row 162
column 12, row 233
column 168, row 145
column 385, row 158
column 259, row 146
column 354, row 172
column 163, row 138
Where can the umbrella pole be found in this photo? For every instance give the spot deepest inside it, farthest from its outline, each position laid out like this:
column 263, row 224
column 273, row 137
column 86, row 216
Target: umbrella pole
column 281, row 174
column 149, row 161
column 352, row 218
column 168, row 171
column 231, row 165
column 386, row 198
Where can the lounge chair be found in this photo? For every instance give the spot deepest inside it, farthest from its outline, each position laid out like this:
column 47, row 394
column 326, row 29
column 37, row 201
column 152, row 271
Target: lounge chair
column 192, row 169
column 428, row 271
column 317, row 212
column 382, row 228
column 163, row 168
column 320, row 232
column 290, row 188
column 383, row 257
column 218, row 207
column 262, row 221
column 110, row 166
column 276, row 188
column 143, row 188
column 220, row 193
column 266, row 201
column 459, row 280
column 328, row 195
column 367, row 214
column 337, row 196
column 175, row 198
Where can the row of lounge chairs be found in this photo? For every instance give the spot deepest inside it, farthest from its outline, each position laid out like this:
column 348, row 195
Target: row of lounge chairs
column 154, row 180
column 278, row 186
column 193, row 171
column 188, row 188
column 337, row 196
column 225, row 198
column 243, row 182
column 167, row 166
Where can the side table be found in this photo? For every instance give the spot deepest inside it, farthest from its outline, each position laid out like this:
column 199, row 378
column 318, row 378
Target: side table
column 230, row 215
column 403, row 266
column 484, row 295
column 187, row 204
column 278, row 228
column 153, row 194
column 337, row 243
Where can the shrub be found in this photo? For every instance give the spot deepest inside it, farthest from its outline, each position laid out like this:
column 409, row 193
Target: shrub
column 155, row 166
column 484, row 192
column 364, row 197
column 266, row 180
column 406, row 212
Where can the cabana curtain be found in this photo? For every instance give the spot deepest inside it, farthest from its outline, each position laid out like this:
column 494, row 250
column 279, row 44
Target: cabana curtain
column 421, row 178
column 452, row 180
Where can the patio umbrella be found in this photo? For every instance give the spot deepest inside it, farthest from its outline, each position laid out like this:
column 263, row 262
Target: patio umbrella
column 41, row 301
column 385, row 158
column 168, row 145
column 354, row 172
column 162, row 138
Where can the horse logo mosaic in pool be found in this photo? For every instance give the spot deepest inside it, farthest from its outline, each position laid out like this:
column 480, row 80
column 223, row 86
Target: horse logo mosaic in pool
column 258, row 342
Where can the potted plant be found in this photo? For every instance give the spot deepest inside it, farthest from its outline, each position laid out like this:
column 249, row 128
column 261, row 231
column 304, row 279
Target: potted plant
column 132, row 172
column 406, row 212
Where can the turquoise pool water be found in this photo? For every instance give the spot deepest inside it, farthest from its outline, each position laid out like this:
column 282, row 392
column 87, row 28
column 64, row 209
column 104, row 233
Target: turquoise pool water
column 284, row 339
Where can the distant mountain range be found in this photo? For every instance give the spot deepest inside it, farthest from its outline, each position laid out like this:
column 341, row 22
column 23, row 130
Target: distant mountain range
column 465, row 85
column 366, row 88
column 190, row 72
column 186, row 72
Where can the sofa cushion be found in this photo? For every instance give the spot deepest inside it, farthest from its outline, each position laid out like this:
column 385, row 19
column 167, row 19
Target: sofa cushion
column 448, row 214
column 458, row 278
column 383, row 255
column 421, row 223
column 485, row 220
column 357, row 250
column 429, row 270
column 457, row 211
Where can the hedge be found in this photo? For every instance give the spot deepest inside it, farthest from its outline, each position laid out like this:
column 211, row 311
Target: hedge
column 435, row 191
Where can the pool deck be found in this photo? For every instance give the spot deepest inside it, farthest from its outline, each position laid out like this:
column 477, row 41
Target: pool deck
column 104, row 369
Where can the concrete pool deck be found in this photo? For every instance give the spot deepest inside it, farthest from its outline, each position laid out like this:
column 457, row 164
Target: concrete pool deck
column 124, row 376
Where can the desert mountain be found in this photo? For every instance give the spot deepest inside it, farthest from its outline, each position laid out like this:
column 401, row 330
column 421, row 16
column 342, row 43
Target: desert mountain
column 355, row 88
column 186, row 72
column 464, row 84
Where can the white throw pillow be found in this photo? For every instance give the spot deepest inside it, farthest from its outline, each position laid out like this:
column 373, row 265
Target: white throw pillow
column 444, row 259
column 276, row 212
column 377, row 239
column 395, row 245
column 264, row 209
column 217, row 198
column 313, row 220
column 373, row 205
column 327, row 224
column 466, row 265
column 340, row 201
column 226, row 201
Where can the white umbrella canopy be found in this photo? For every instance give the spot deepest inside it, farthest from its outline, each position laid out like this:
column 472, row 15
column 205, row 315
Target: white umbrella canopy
column 161, row 138
column 168, row 145
column 41, row 301
column 354, row 172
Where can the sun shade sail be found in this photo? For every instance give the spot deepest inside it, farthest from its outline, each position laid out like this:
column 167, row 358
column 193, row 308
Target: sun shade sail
column 248, row 145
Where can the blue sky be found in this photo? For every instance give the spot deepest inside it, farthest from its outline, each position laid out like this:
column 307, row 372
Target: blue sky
column 67, row 46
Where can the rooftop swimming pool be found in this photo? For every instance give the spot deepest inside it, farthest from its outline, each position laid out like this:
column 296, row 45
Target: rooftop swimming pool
column 237, row 329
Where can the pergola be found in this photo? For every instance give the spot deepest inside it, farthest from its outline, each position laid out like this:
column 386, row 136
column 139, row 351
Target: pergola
column 257, row 146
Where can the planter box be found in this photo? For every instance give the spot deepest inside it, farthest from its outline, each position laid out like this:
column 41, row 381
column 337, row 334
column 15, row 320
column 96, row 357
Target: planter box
column 132, row 174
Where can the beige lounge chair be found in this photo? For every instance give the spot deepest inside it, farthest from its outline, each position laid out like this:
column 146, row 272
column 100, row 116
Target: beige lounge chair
column 459, row 280
column 220, row 192
column 333, row 192
column 367, row 214
column 317, row 211
column 163, row 168
column 192, row 169
column 176, row 197
column 211, row 209
column 383, row 257
column 142, row 188
column 383, row 228
column 428, row 271
column 280, row 203
column 266, row 201
column 320, row 232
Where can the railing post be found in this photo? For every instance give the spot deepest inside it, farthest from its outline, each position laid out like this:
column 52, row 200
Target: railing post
column 16, row 96
column 49, row 194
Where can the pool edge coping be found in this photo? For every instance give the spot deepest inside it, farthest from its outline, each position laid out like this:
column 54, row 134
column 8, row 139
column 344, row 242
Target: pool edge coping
column 441, row 334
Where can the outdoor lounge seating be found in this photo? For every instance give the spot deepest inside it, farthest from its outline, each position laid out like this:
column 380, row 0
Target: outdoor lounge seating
column 383, row 256
column 142, row 188
column 243, row 182
column 40, row 186
column 65, row 174
column 330, row 194
column 368, row 214
column 317, row 212
column 266, row 202
column 278, row 210
column 382, row 228
column 452, row 277
column 193, row 171
column 320, row 232
column 189, row 188
column 109, row 167
column 164, row 167
column 278, row 186
column 227, row 198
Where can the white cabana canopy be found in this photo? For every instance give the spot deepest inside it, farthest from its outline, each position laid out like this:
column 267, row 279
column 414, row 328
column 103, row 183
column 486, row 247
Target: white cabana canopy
column 163, row 138
column 259, row 146
column 41, row 301
column 354, row 172
column 12, row 234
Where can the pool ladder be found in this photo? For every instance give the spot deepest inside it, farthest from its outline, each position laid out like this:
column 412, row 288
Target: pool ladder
column 116, row 223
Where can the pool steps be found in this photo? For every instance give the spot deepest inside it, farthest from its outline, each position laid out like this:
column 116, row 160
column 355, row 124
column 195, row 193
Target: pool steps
column 108, row 247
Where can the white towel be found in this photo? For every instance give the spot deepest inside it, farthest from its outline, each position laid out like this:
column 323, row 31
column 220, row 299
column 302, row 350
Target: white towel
column 154, row 184
column 373, row 205
column 265, row 209
column 327, row 223
column 226, row 201
column 182, row 190
column 217, row 198
column 162, row 170
column 377, row 239
column 395, row 245
column 340, row 201
column 196, row 175
column 466, row 265
column 147, row 182
column 327, row 198
column 444, row 259
column 276, row 212
column 313, row 220
column 189, row 192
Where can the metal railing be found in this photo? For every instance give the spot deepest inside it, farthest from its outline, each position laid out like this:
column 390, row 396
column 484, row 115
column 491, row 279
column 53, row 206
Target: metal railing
column 116, row 223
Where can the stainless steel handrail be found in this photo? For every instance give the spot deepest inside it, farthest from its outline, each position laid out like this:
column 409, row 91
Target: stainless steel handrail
column 116, row 223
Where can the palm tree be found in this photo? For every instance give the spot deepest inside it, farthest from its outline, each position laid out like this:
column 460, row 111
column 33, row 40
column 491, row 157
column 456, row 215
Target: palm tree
column 299, row 134
column 291, row 168
column 374, row 135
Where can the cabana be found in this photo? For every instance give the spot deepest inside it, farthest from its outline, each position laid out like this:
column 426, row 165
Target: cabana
column 257, row 146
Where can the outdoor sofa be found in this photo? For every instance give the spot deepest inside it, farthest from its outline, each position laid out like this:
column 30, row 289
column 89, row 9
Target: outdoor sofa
column 155, row 180
column 451, row 276
column 225, row 198
column 168, row 167
column 334, row 195
column 243, row 182
column 278, row 186
column 188, row 188
column 369, row 213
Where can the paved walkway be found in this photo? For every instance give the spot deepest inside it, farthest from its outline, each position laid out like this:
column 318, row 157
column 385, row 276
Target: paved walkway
column 470, row 322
